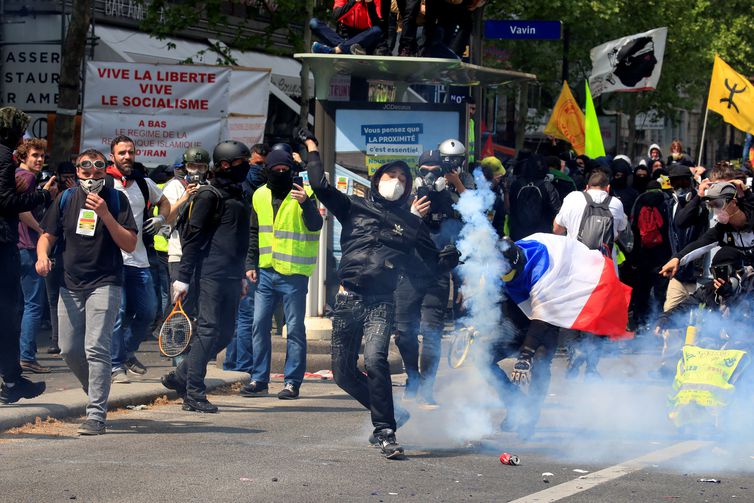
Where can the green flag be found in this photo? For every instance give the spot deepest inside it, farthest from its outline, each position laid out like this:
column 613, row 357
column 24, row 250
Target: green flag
column 593, row 146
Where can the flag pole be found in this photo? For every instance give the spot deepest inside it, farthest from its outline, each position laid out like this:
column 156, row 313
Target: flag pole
column 704, row 132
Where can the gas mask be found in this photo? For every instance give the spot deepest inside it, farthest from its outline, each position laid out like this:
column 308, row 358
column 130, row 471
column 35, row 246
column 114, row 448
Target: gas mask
column 431, row 179
column 682, row 193
column 731, row 287
column 92, row 185
column 391, row 189
column 196, row 177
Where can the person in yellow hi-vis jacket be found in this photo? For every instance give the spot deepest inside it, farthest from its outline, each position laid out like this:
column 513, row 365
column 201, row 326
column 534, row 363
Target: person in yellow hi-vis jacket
column 283, row 247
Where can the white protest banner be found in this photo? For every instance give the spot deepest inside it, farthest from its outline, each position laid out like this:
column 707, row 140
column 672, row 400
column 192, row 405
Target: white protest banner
column 158, row 139
column 249, row 91
column 248, row 129
column 168, row 108
column 628, row 64
column 172, row 89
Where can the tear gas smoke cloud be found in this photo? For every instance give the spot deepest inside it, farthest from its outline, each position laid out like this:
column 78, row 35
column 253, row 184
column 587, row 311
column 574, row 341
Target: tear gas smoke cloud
column 610, row 420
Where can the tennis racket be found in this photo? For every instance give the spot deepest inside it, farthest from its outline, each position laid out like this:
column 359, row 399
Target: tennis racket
column 175, row 333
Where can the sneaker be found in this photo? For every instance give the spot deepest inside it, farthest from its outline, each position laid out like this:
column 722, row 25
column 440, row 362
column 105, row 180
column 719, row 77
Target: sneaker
column 382, row 50
column 34, row 367
column 255, row 388
column 390, row 447
column 289, row 392
column 201, row 405
column 357, row 50
column 134, row 366
column 91, row 427
column 23, row 388
column 318, row 48
column 171, row 381
column 119, row 377
column 53, row 350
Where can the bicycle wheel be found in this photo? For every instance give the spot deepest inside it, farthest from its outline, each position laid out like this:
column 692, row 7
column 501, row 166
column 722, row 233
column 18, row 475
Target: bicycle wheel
column 460, row 344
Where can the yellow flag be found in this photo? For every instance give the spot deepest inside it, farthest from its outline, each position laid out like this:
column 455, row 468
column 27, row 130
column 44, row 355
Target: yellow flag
column 567, row 120
column 732, row 96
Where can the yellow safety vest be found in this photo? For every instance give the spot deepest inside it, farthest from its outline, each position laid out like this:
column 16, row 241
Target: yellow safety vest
column 160, row 242
column 285, row 244
column 703, row 379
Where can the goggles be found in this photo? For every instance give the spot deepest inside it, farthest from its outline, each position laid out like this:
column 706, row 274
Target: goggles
column 98, row 164
column 717, row 204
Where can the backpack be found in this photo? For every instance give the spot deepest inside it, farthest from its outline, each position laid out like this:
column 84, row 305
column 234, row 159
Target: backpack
column 184, row 212
column 650, row 226
column 596, row 230
column 529, row 207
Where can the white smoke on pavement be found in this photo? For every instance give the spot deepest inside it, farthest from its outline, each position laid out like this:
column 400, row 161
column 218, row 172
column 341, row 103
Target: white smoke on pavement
column 470, row 406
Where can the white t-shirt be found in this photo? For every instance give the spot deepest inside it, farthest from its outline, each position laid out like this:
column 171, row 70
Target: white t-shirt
column 173, row 191
column 572, row 211
column 139, row 257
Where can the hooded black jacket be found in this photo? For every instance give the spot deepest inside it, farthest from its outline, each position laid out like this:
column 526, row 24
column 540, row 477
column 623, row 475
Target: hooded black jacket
column 379, row 239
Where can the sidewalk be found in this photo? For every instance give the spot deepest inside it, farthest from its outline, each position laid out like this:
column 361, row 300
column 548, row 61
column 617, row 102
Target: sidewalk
column 65, row 398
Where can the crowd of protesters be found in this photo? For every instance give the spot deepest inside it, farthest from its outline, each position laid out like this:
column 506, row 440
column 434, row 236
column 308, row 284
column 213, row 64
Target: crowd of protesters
column 235, row 234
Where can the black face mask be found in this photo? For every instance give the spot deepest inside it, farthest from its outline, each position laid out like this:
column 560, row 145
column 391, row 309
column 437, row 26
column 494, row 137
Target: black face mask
column 640, row 183
column 280, row 182
column 234, row 174
column 619, row 182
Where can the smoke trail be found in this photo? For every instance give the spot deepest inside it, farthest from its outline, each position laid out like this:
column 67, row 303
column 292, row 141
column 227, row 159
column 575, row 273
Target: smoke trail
column 468, row 403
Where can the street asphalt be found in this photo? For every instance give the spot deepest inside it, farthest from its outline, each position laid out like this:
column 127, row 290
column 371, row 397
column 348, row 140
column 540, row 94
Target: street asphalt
column 602, row 441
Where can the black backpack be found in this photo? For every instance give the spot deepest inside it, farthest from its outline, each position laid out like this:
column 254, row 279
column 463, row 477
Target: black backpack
column 184, row 212
column 596, row 229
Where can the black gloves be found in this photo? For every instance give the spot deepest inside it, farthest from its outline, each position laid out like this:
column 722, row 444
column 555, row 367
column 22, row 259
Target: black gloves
column 302, row 134
column 448, row 258
column 521, row 374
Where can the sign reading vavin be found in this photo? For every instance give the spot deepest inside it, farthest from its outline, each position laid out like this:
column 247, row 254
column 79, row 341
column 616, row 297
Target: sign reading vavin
column 536, row 30
column 393, row 139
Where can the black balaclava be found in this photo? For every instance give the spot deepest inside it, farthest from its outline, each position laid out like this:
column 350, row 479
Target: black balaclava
column 279, row 182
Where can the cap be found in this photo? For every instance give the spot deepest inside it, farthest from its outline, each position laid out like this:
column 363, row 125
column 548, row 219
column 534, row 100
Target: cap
column 679, row 171
column 429, row 158
column 728, row 255
column 494, row 165
column 720, row 190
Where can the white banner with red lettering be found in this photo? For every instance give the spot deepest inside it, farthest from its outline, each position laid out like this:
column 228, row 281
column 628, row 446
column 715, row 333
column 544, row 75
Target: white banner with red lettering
column 248, row 129
column 166, row 109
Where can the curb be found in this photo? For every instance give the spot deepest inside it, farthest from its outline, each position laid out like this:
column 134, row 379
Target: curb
column 72, row 403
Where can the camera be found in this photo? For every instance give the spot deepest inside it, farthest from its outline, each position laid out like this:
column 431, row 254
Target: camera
column 196, row 178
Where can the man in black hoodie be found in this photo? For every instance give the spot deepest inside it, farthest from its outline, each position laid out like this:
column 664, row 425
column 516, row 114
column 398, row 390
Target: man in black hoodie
column 534, row 202
column 621, row 168
column 380, row 239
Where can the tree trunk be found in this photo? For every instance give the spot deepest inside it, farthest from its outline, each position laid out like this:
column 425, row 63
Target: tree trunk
column 73, row 51
column 523, row 114
column 305, row 94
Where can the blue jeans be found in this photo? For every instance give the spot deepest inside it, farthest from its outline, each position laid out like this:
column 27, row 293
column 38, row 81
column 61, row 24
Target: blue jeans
column 137, row 310
column 239, row 353
column 367, row 39
column 33, row 286
column 271, row 287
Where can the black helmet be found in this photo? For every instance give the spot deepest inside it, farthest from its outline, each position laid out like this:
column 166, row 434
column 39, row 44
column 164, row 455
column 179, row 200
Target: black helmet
column 196, row 154
column 229, row 151
column 282, row 146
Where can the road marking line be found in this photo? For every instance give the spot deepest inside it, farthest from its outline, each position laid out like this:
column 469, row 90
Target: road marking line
column 587, row 482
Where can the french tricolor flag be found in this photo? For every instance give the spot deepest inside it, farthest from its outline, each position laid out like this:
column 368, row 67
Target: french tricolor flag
column 566, row 284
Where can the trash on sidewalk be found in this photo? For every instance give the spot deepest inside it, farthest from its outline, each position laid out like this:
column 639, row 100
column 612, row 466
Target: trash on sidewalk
column 710, row 481
column 546, row 477
column 137, row 407
column 579, row 470
column 244, row 479
column 509, row 459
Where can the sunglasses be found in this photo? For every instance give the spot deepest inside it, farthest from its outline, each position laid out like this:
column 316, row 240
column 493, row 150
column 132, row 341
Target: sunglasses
column 98, row 164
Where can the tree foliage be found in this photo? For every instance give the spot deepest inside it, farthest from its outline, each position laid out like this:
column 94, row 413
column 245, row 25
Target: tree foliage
column 697, row 30
column 226, row 20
